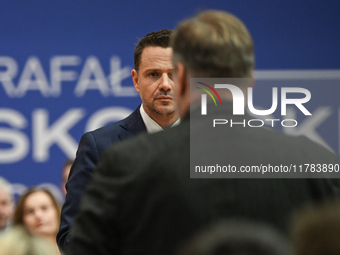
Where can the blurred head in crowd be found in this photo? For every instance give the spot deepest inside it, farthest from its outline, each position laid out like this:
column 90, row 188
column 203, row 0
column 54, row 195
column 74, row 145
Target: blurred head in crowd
column 315, row 230
column 64, row 175
column 6, row 204
column 237, row 237
column 39, row 212
column 213, row 44
column 17, row 241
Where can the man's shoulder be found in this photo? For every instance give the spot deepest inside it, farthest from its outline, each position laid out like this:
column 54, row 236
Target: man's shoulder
column 299, row 142
column 124, row 129
column 275, row 146
column 133, row 121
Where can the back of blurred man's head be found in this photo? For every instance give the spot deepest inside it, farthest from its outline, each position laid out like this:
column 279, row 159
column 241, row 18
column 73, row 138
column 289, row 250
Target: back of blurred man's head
column 214, row 44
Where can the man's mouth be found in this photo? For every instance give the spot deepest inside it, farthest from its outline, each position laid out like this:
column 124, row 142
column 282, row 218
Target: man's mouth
column 165, row 98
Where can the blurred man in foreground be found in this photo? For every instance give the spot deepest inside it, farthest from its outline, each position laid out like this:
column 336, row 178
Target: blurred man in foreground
column 142, row 199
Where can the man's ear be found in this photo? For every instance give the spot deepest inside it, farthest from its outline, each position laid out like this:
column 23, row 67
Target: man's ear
column 182, row 79
column 182, row 90
column 135, row 80
column 252, row 80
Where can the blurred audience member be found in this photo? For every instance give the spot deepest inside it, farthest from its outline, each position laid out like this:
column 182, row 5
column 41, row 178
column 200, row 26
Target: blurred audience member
column 64, row 175
column 6, row 205
column 316, row 230
column 237, row 237
column 18, row 241
column 39, row 212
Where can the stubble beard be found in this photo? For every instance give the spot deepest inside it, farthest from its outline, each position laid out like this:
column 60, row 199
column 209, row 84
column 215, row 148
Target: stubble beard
column 163, row 109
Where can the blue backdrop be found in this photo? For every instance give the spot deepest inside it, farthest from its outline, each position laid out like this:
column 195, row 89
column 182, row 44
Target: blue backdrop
column 65, row 67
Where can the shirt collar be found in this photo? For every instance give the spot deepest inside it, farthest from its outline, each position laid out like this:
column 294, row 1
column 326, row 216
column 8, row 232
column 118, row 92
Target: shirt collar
column 151, row 125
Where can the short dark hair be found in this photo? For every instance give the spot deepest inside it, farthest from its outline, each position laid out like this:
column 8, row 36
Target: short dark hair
column 160, row 38
column 214, row 44
column 237, row 237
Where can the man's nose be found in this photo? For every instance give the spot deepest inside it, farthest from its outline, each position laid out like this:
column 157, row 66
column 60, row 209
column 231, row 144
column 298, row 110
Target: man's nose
column 166, row 82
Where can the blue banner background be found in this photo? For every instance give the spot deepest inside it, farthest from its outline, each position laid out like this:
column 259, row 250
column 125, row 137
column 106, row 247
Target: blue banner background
column 91, row 44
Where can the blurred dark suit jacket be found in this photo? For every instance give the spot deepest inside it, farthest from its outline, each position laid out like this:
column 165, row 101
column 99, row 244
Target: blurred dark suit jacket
column 90, row 149
column 142, row 200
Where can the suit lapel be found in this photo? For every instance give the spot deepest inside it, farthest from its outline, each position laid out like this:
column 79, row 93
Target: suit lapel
column 132, row 125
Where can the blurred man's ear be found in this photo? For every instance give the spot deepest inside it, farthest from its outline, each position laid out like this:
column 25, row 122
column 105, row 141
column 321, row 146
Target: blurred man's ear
column 182, row 88
column 252, row 79
column 181, row 79
column 134, row 75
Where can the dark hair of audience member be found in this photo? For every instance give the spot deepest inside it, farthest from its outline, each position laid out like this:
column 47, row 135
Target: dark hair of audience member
column 315, row 230
column 237, row 237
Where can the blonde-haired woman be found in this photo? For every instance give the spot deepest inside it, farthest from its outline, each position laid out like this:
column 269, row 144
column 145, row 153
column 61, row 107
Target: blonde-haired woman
column 39, row 212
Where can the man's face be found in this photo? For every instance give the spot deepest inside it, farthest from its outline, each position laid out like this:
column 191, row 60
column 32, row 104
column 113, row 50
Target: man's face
column 154, row 82
column 6, row 209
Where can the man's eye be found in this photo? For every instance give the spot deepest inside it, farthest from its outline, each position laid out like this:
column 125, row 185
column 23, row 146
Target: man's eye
column 153, row 75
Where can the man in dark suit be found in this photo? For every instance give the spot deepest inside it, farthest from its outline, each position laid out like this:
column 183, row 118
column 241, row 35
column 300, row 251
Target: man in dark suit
column 152, row 78
column 142, row 199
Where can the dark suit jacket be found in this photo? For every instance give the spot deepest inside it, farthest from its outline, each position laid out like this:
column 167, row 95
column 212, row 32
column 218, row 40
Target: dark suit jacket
column 142, row 200
column 90, row 149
